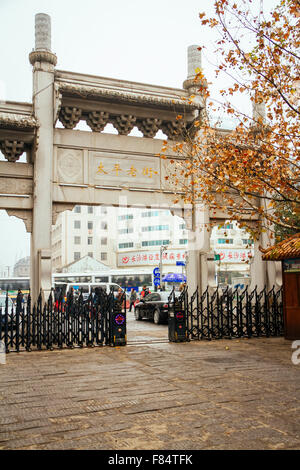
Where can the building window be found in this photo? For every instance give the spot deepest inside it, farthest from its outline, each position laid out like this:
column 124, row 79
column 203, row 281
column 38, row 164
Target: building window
column 125, row 230
column 150, row 214
column 248, row 241
column 77, row 209
column 90, row 209
column 76, row 255
column 103, row 241
column 182, row 227
column 153, row 228
column 125, row 217
column 103, row 225
column 90, row 254
column 77, row 223
column 183, row 241
column 90, row 225
column 227, row 241
column 103, row 256
column 125, row 245
column 90, row 240
column 77, row 240
column 103, row 210
column 155, row 242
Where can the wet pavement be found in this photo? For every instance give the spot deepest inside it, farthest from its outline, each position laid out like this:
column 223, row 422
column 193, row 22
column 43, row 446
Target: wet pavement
column 152, row 394
column 145, row 330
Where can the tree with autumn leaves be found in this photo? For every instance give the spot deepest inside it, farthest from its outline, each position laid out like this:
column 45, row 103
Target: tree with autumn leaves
column 254, row 168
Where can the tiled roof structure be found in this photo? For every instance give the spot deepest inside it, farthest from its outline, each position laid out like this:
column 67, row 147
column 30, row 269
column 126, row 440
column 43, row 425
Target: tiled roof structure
column 287, row 249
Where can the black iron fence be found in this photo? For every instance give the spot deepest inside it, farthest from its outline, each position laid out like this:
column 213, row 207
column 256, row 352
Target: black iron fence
column 98, row 320
column 231, row 313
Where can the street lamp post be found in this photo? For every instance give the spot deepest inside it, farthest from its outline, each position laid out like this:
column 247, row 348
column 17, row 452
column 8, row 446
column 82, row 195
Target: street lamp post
column 185, row 267
column 161, row 250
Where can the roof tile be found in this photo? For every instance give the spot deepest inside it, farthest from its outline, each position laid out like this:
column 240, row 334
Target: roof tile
column 287, row 249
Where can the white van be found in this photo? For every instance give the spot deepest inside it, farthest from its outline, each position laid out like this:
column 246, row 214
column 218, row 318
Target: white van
column 86, row 287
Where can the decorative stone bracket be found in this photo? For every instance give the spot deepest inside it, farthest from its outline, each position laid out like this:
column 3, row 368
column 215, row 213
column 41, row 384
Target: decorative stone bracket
column 58, row 208
column 173, row 129
column 124, row 123
column 57, row 98
column 149, row 126
column 12, row 149
column 97, row 120
column 25, row 215
column 70, row 117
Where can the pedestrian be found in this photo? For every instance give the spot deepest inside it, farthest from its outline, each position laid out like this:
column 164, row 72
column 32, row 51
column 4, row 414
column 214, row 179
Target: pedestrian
column 121, row 298
column 132, row 298
column 145, row 291
column 96, row 298
column 70, row 297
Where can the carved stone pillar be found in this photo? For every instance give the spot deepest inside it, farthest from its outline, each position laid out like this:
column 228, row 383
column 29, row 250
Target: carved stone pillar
column 195, row 86
column 200, row 270
column 258, row 268
column 43, row 61
column 273, row 272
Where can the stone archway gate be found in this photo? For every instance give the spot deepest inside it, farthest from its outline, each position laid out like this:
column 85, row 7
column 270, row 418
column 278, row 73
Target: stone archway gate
column 65, row 167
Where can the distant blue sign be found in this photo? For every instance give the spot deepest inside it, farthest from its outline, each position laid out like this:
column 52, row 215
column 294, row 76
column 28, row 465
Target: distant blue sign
column 156, row 281
column 156, row 271
column 174, row 277
column 180, row 263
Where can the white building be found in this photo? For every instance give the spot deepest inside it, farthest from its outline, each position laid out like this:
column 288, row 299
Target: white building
column 84, row 231
column 130, row 239
column 121, row 238
column 142, row 232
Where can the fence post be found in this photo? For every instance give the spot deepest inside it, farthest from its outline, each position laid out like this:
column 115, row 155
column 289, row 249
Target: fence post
column 177, row 323
column 117, row 321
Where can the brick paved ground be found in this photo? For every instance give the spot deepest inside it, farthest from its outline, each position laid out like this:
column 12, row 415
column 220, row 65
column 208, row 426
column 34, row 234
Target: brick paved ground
column 238, row 394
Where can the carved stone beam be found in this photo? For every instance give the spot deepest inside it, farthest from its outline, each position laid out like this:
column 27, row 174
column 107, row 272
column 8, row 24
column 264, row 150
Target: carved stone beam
column 97, row 120
column 149, row 126
column 69, row 117
column 174, row 130
column 124, row 123
column 25, row 215
column 12, row 149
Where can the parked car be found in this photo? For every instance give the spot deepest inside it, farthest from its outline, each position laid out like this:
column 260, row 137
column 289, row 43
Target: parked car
column 154, row 307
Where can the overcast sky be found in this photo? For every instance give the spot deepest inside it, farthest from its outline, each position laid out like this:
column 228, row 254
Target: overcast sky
column 138, row 40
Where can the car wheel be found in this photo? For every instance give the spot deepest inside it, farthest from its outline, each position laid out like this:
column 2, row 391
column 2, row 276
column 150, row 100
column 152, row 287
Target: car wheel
column 156, row 317
column 137, row 314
